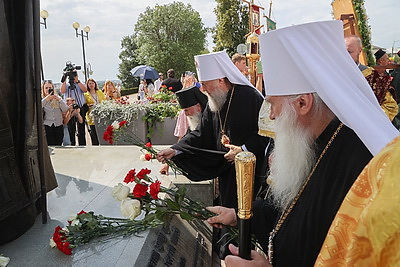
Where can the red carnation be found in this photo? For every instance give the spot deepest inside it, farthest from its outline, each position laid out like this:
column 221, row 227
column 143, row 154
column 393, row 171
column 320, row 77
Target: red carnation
column 60, row 239
column 139, row 190
column 122, row 123
column 148, row 144
column 108, row 134
column 66, row 249
column 142, row 173
column 147, row 157
column 155, row 189
column 170, row 88
column 130, row 176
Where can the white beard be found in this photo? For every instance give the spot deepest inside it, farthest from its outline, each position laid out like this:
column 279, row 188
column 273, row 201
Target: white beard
column 292, row 157
column 217, row 100
column 194, row 120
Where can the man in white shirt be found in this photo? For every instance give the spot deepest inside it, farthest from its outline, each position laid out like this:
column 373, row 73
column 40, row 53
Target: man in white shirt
column 158, row 82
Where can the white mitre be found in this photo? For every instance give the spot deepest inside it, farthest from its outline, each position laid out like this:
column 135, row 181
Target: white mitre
column 218, row 65
column 312, row 57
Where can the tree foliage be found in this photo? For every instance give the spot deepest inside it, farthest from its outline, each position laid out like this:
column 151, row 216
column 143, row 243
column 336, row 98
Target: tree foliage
column 128, row 61
column 232, row 25
column 365, row 29
column 169, row 36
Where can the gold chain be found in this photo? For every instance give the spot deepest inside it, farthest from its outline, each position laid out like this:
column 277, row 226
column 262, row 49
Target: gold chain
column 226, row 115
column 290, row 208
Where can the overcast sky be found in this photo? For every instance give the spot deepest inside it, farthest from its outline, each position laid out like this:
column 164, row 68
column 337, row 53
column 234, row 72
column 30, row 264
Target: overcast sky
column 110, row 20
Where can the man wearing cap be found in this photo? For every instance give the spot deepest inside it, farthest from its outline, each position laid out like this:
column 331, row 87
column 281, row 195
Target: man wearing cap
column 230, row 118
column 381, row 58
column 379, row 82
column 192, row 102
column 328, row 124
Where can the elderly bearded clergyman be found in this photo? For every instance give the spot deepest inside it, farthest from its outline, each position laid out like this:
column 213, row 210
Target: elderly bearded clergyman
column 229, row 125
column 328, row 124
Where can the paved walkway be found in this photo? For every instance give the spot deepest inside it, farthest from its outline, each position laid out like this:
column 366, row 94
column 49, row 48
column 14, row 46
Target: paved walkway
column 86, row 176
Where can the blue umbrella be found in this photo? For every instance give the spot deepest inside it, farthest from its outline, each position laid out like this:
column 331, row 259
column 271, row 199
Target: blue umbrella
column 145, row 72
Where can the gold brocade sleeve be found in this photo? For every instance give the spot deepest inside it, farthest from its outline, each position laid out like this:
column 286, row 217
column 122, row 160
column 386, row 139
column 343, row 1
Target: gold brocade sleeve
column 366, row 229
column 367, row 71
column 389, row 106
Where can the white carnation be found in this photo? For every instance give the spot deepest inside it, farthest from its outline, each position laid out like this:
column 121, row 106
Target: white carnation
column 130, row 208
column 115, row 125
column 52, row 243
column 142, row 157
column 4, row 261
column 75, row 222
column 120, row 191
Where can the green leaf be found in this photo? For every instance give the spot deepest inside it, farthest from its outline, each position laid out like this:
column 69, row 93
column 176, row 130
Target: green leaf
column 172, row 205
column 186, row 216
column 161, row 215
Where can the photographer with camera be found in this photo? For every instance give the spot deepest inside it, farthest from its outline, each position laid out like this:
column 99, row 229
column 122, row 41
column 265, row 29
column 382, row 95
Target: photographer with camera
column 53, row 108
column 75, row 89
column 71, row 118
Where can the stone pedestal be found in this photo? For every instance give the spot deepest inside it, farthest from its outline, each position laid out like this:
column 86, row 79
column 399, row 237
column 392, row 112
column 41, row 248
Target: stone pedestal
column 164, row 132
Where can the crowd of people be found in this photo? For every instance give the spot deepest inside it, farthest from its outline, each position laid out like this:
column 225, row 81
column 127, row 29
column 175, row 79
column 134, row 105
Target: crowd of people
column 67, row 117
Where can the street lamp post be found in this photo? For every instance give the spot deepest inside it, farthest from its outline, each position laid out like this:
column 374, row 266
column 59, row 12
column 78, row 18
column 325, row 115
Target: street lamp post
column 44, row 15
column 76, row 26
column 89, row 69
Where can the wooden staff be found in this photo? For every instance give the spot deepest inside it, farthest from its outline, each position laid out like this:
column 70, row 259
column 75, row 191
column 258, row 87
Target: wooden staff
column 245, row 169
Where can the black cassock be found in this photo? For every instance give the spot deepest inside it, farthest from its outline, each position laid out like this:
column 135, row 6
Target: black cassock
column 300, row 238
column 20, row 175
column 203, row 153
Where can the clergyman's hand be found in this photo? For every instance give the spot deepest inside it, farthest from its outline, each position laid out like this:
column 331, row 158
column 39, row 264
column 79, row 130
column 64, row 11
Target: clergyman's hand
column 233, row 151
column 226, row 216
column 165, row 154
column 257, row 260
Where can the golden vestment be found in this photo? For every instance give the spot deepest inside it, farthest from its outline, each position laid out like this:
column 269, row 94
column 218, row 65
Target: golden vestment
column 366, row 229
column 383, row 90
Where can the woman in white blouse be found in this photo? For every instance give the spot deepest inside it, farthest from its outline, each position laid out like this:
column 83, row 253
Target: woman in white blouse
column 53, row 108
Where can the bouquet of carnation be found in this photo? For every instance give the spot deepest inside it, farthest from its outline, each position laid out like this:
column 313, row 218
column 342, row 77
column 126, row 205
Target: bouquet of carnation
column 86, row 226
column 145, row 194
column 143, row 200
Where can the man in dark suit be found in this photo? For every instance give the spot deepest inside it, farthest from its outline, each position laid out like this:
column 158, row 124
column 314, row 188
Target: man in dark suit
column 171, row 81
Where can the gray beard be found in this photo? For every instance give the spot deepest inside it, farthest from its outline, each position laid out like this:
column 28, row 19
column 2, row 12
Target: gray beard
column 217, row 100
column 194, row 121
column 292, row 158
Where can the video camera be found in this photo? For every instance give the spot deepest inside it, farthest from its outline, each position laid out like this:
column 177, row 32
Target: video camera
column 70, row 72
